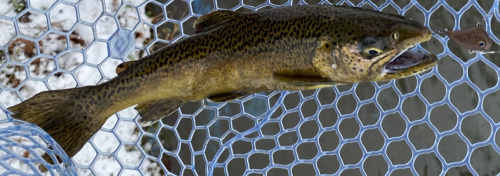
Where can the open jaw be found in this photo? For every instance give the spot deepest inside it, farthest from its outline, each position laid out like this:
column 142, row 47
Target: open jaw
column 407, row 60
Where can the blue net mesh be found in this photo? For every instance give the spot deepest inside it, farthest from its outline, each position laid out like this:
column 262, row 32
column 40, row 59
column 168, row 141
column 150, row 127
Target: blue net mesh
column 22, row 144
column 441, row 122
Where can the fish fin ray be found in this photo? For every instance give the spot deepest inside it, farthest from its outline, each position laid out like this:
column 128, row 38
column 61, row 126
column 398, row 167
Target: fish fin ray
column 154, row 110
column 226, row 96
column 213, row 20
column 62, row 113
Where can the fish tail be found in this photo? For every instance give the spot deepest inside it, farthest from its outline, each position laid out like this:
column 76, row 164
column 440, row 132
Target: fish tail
column 69, row 116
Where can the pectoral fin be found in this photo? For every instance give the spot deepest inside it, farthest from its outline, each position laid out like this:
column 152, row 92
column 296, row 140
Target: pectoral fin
column 153, row 111
column 226, row 97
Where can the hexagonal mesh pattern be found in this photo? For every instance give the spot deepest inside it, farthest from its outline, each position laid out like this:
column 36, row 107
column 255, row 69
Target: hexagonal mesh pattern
column 441, row 122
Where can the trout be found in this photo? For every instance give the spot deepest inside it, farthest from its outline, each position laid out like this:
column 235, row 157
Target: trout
column 232, row 55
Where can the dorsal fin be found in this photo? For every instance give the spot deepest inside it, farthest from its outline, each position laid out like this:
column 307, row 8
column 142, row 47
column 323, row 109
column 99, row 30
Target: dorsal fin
column 124, row 66
column 214, row 20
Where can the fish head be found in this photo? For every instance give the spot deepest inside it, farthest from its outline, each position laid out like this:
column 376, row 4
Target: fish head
column 377, row 49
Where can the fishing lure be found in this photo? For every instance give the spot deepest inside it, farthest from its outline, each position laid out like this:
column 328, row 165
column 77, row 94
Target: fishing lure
column 475, row 39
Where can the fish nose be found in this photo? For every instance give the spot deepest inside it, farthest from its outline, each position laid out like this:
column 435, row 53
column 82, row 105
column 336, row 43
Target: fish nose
column 414, row 33
column 423, row 32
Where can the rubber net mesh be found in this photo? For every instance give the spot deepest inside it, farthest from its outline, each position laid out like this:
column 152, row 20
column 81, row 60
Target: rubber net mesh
column 442, row 122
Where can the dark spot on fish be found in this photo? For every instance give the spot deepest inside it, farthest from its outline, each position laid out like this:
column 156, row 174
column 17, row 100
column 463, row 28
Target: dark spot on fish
column 119, row 89
column 111, row 93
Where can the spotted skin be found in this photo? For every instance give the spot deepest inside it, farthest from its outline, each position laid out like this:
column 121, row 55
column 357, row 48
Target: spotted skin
column 289, row 48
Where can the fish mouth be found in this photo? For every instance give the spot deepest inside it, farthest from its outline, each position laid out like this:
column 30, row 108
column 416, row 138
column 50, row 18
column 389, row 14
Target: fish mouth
column 408, row 60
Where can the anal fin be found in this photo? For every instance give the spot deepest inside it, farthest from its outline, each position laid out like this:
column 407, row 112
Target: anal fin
column 226, row 96
column 155, row 110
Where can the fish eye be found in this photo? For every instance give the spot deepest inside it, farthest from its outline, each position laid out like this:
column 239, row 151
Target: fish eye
column 373, row 52
column 371, row 46
column 395, row 35
column 481, row 44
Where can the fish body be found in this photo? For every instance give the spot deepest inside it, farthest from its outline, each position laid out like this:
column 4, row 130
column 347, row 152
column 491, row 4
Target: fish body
column 237, row 54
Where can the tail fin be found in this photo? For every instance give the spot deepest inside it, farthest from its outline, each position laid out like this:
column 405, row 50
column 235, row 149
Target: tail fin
column 67, row 115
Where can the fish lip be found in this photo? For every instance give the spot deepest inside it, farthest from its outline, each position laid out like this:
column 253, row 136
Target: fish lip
column 410, row 59
column 410, row 36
